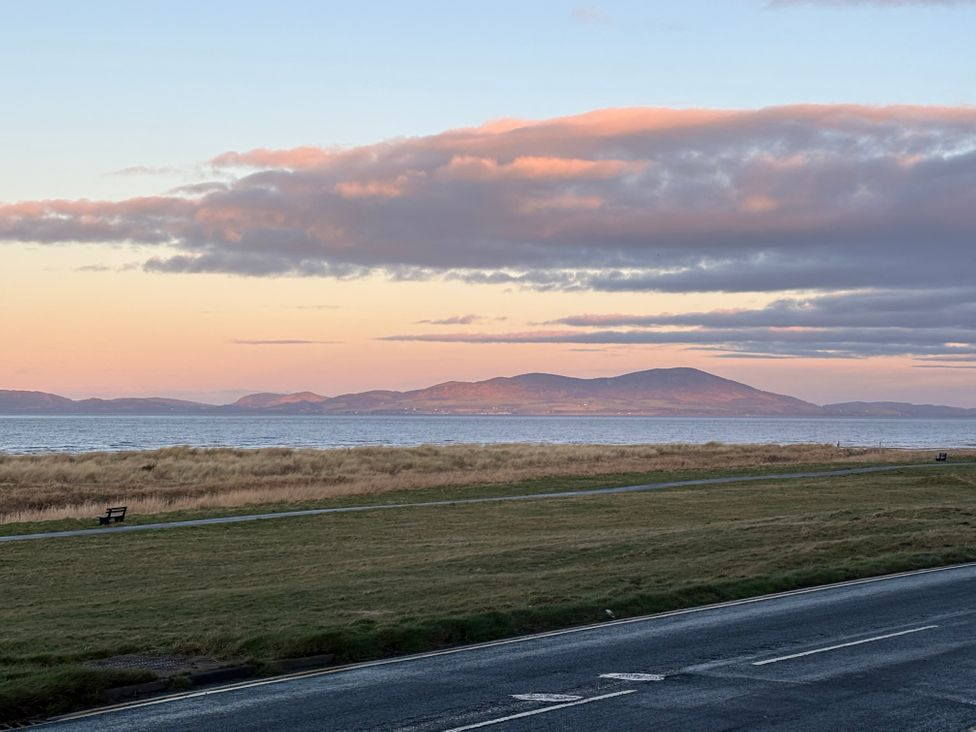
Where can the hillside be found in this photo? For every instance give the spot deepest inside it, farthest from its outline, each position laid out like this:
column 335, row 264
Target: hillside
column 38, row 402
column 680, row 391
column 303, row 402
column 655, row 392
column 898, row 409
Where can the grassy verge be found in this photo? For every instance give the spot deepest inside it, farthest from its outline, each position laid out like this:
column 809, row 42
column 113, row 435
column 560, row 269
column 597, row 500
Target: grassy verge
column 38, row 689
column 376, row 584
column 80, row 486
column 546, row 484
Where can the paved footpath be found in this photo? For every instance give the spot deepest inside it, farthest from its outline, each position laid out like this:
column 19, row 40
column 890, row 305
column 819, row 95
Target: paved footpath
column 122, row 528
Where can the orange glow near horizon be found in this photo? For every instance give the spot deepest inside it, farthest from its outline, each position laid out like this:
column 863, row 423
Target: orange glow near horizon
column 80, row 333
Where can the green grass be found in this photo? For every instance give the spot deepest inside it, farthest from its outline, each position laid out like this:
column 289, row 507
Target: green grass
column 381, row 583
column 444, row 493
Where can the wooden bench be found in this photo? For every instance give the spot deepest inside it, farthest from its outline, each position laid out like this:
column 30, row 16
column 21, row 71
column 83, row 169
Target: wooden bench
column 117, row 514
column 942, row 457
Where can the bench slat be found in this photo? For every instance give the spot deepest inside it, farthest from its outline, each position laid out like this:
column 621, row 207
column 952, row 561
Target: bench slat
column 116, row 513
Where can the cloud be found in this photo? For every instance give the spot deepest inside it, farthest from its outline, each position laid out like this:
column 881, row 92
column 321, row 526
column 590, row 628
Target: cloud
column 797, row 197
column 281, row 342
column 765, row 356
column 146, row 170
column 589, row 15
column 455, row 320
column 818, row 342
column 922, row 323
column 94, row 268
column 299, row 157
column 873, row 309
column 461, row 320
column 952, row 358
column 196, row 189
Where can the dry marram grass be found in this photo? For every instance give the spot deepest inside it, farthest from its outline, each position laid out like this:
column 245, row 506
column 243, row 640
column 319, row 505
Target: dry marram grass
column 57, row 486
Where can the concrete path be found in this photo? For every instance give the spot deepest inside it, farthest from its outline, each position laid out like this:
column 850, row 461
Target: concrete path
column 126, row 528
column 894, row 653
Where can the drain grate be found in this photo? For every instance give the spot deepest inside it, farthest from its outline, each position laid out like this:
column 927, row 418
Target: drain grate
column 161, row 665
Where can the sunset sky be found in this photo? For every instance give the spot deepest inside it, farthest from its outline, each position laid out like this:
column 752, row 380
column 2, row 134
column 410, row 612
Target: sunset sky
column 203, row 200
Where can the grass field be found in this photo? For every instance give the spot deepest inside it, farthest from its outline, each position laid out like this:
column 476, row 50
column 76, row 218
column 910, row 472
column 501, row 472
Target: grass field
column 182, row 479
column 547, row 484
column 375, row 584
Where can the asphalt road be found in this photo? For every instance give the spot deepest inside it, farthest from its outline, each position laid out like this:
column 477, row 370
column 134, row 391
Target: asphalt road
column 896, row 653
column 125, row 528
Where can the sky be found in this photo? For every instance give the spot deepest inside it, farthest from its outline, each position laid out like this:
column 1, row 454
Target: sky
column 203, row 200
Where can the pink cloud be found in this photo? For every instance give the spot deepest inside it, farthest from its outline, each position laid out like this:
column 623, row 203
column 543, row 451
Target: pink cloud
column 785, row 197
column 538, row 168
column 366, row 189
column 299, row 157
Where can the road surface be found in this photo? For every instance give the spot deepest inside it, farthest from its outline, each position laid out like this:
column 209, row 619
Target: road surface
column 125, row 528
column 895, row 653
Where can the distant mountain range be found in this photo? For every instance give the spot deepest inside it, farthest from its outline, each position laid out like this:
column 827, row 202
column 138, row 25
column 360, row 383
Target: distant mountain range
column 656, row 392
column 897, row 409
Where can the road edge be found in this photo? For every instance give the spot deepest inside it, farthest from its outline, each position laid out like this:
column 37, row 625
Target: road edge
column 283, row 678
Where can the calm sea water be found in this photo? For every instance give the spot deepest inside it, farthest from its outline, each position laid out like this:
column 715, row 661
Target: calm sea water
column 89, row 433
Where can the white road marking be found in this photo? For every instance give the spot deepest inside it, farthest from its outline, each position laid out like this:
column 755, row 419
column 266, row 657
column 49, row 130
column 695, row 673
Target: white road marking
column 547, row 697
column 544, row 710
column 843, row 645
column 633, row 677
column 285, row 678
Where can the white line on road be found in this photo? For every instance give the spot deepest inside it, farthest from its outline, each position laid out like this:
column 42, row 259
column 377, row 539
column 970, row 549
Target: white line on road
column 843, row 645
column 634, row 677
column 545, row 710
column 547, row 697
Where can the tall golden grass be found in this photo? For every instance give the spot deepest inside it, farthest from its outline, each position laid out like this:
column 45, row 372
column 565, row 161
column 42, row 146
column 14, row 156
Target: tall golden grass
column 57, row 486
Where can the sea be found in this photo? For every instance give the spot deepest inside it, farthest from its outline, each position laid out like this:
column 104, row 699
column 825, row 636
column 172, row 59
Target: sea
column 46, row 434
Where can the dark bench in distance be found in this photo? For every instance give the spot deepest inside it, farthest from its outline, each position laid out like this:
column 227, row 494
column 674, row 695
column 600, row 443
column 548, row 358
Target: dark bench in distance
column 117, row 513
column 941, row 457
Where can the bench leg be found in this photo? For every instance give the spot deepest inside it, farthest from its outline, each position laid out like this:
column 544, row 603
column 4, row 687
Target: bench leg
column 103, row 520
